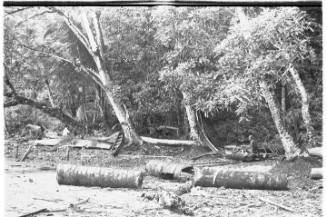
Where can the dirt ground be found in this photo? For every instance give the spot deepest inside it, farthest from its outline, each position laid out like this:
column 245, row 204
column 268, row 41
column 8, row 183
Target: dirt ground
column 31, row 185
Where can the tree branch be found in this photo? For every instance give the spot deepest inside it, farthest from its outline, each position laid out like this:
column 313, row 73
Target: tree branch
column 88, row 71
column 46, row 53
column 53, row 112
column 15, row 11
column 87, row 28
column 98, row 32
column 80, row 36
column 33, row 16
column 10, row 103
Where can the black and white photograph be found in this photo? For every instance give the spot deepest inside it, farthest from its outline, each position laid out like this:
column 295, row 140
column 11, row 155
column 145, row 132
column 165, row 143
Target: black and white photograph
column 162, row 108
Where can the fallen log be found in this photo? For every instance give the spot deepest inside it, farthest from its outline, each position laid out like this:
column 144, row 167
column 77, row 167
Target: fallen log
column 167, row 170
column 232, row 155
column 75, row 143
column 97, row 176
column 171, row 142
column 47, row 142
column 88, row 144
column 316, row 173
column 239, row 179
column 315, row 151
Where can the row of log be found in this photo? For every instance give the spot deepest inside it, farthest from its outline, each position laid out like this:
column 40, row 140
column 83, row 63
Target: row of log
column 207, row 177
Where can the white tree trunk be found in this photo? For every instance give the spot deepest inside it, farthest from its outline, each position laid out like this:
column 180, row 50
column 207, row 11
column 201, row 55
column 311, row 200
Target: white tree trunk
column 291, row 150
column 191, row 117
column 305, row 106
column 283, row 101
column 120, row 112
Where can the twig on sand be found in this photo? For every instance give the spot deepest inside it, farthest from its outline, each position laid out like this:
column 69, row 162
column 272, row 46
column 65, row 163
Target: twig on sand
column 242, row 207
column 276, row 204
column 45, row 210
column 34, row 212
column 48, row 200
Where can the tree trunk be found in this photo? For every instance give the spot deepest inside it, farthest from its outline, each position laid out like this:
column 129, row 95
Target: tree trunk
column 103, row 105
column 291, row 150
column 305, row 106
column 124, row 120
column 95, row 51
column 283, row 101
column 50, row 94
column 191, row 116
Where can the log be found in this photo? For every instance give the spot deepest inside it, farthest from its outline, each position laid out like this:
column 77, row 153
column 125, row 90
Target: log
column 315, row 151
column 316, row 173
column 167, row 170
column 98, row 176
column 233, row 155
column 239, row 179
column 171, row 142
column 75, row 143
column 88, row 144
column 47, row 142
column 91, row 142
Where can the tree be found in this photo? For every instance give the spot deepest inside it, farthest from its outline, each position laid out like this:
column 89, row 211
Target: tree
column 263, row 50
column 189, row 34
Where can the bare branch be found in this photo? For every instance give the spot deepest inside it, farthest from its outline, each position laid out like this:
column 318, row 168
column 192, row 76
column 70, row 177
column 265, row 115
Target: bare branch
column 17, row 10
column 33, row 16
column 74, row 29
column 47, row 53
column 95, row 77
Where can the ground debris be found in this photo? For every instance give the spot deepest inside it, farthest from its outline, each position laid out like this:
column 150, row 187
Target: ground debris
column 276, row 204
column 71, row 207
column 169, row 200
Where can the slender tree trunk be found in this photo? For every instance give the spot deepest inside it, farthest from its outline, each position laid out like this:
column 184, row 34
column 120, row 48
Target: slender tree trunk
column 124, row 120
column 50, row 94
column 95, row 51
column 191, row 116
column 291, row 150
column 305, row 106
column 103, row 105
column 283, row 101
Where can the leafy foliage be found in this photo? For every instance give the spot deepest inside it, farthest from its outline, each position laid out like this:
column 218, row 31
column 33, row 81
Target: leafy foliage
column 155, row 54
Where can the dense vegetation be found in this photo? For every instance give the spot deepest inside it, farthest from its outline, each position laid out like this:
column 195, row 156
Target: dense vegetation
column 222, row 72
